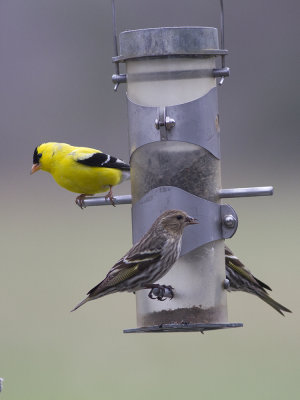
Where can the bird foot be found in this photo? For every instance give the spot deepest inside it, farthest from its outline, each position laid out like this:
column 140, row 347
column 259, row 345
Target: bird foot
column 110, row 197
column 80, row 201
column 161, row 292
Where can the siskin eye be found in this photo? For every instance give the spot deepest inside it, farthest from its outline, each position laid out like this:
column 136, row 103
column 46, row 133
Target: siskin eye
column 179, row 217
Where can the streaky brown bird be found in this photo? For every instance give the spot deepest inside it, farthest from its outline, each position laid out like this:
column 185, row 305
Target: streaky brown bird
column 241, row 279
column 148, row 260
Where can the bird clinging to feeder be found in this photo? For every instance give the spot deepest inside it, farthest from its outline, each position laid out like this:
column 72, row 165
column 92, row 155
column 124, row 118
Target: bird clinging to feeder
column 240, row 279
column 148, row 260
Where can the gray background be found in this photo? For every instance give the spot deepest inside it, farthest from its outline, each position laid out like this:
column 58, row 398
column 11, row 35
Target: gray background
column 55, row 83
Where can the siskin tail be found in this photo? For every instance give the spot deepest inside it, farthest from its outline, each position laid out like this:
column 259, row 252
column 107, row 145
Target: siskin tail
column 81, row 303
column 277, row 306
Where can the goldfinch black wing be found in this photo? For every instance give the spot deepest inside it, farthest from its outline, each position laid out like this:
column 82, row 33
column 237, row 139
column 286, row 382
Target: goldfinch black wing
column 98, row 159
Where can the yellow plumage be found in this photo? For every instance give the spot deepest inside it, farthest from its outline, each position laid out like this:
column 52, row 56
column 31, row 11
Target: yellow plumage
column 80, row 169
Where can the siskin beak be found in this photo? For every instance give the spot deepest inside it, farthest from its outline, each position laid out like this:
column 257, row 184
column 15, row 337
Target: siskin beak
column 35, row 168
column 191, row 220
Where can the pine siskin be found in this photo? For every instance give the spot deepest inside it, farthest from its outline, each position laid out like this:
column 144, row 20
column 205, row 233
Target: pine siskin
column 148, row 260
column 241, row 279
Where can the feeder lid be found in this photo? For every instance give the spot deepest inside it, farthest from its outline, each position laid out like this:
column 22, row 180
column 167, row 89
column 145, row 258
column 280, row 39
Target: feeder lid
column 169, row 41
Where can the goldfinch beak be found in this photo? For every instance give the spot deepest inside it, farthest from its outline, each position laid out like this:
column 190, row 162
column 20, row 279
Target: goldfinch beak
column 35, row 168
column 191, row 220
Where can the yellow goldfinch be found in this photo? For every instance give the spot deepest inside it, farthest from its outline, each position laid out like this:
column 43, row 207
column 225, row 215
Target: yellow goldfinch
column 80, row 169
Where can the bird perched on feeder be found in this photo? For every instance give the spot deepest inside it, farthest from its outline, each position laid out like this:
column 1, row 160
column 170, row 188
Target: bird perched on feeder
column 241, row 279
column 80, row 169
column 148, row 260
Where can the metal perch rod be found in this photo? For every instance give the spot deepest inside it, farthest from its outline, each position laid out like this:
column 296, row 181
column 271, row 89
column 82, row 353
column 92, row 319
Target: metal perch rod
column 246, row 192
column 223, row 194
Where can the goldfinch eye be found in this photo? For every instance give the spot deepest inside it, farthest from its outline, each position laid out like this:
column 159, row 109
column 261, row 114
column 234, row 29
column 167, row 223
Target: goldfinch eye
column 179, row 217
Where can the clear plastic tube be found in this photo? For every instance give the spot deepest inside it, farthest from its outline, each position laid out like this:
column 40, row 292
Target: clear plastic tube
column 199, row 275
column 169, row 81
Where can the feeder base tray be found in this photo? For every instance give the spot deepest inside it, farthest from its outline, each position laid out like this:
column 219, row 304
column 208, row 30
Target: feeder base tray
column 182, row 328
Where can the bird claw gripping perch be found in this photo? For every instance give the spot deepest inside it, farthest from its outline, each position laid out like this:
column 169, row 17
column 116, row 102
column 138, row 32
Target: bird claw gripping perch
column 161, row 292
column 111, row 199
column 80, row 201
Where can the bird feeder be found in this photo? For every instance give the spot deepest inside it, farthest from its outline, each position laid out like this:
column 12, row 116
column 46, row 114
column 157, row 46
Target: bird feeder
column 174, row 137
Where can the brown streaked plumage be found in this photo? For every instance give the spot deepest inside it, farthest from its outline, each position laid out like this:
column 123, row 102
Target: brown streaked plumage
column 241, row 279
column 148, row 260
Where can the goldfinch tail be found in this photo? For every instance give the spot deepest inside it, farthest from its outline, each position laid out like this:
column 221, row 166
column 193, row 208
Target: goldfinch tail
column 81, row 303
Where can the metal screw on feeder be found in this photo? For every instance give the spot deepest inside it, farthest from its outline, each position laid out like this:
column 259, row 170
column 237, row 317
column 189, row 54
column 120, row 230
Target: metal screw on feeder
column 175, row 163
column 229, row 221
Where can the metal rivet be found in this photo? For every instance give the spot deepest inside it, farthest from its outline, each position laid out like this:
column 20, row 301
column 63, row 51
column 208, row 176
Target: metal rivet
column 169, row 123
column 229, row 221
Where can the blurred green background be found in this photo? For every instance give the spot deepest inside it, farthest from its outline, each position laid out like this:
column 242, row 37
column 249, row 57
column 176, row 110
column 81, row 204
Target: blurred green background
column 56, row 86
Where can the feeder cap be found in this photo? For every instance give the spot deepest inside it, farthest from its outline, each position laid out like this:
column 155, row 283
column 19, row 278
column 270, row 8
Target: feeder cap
column 169, row 41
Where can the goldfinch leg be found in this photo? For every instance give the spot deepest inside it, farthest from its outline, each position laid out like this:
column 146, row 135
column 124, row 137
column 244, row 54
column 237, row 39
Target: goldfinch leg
column 80, row 201
column 110, row 196
column 160, row 292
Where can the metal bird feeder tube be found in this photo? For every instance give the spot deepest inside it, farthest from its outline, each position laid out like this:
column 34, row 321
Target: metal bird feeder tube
column 175, row 163
column 174, row 140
